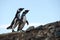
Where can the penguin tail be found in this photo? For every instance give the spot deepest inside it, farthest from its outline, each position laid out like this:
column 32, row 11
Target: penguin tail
column 10, row 27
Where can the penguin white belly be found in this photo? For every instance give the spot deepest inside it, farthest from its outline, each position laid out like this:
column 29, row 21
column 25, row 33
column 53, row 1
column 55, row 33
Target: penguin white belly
column 24, row 19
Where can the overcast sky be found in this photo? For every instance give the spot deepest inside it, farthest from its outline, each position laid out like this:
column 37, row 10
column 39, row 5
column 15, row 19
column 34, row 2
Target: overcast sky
column 41, row 12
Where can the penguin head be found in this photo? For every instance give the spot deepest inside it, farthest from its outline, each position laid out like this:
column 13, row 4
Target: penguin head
column 25, row 12
column 19, row 10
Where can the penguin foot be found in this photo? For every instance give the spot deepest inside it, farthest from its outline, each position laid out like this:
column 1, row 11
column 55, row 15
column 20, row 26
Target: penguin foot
column 13, row 31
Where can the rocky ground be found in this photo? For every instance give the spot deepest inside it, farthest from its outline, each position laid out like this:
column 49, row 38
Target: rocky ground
column 50, row 31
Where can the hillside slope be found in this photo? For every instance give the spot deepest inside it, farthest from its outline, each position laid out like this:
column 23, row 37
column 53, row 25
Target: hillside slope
column 50, row 31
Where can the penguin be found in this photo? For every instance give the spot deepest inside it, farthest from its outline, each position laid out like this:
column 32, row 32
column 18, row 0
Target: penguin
column 23, row 19
column 16, row 18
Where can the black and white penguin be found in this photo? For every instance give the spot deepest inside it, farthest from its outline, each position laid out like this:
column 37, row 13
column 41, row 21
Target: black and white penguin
column 16, row 18
column 23, row 18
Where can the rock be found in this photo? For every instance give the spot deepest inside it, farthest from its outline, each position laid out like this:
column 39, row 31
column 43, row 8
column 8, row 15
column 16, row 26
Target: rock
column 50, row 31
column 30, row 28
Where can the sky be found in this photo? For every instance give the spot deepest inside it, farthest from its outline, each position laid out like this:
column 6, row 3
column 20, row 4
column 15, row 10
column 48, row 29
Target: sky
column 41, row 12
